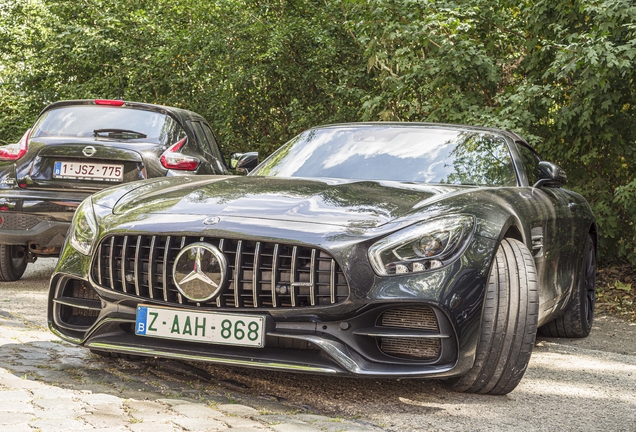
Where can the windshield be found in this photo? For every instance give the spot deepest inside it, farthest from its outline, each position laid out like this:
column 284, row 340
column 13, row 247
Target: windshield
column 84, row 120
column 400, row 153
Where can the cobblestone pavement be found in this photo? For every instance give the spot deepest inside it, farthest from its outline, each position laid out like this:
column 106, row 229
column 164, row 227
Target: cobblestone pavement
column 49, row 385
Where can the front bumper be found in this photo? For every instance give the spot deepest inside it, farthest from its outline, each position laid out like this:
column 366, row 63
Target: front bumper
column 344, row 338
column 344, row 346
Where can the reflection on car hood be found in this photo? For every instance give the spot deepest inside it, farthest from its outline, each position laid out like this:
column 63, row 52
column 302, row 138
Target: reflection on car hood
column 323, row 201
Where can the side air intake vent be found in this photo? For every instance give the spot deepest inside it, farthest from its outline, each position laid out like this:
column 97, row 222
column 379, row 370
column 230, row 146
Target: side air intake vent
column 416, row 349
column 413, row 347
column 410, row 317
column 79, row 305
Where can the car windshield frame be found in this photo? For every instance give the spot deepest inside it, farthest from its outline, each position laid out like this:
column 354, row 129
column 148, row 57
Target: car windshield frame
column 477, row 157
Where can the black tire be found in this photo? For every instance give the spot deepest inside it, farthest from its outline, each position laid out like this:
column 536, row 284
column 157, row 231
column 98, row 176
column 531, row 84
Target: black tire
column 578, row 317
column 508, row 326
column 13, row 262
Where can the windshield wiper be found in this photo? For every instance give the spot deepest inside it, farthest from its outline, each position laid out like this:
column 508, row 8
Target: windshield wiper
column 118, row 133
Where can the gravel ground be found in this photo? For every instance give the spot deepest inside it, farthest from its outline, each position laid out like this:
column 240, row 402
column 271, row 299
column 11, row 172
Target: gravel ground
column 585, row 384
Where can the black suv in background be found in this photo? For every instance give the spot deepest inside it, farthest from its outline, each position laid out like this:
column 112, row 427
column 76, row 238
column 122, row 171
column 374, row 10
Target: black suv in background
column 76, row 148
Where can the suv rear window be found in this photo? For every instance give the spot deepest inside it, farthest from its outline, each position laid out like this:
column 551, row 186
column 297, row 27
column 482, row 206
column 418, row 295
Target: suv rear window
column 84, row 120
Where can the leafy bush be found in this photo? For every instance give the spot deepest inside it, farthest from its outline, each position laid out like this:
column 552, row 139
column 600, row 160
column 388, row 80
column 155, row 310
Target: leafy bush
column 559, row 72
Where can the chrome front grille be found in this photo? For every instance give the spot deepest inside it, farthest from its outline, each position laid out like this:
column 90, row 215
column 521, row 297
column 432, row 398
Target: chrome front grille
column 261, row 274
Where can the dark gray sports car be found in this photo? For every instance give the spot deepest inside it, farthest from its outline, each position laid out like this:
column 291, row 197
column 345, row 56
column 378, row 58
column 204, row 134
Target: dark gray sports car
column 76, row 148
column 371, row 249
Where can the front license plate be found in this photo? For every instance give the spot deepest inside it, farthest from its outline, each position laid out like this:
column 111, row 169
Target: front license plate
column 209, row 327
column 88, row 171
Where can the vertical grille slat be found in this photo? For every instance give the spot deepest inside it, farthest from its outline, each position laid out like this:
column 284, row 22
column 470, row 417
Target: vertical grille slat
column 312, row 278
column 292, row 275
column 152, row 257
column 137, row 263
column 238, row 275
column 219, row 299
column 100, row 261
column 256, row 283
column 166, row 257
column 183, row 242
column 274, row 276
column 124, row 262
column 111, row 263
column 259, row 274
column 333, row 280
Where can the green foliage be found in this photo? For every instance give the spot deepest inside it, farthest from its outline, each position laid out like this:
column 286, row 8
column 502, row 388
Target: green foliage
column 560, row 72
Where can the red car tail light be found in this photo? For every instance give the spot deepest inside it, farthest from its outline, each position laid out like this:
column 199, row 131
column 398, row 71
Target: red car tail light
column 13, row 152
column 173, row 159
column 109, row 102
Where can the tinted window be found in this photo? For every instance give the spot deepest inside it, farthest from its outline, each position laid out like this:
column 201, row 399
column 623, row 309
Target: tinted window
column 216, row 152
column 83, row 120
column 402, row 153
column 530, row 163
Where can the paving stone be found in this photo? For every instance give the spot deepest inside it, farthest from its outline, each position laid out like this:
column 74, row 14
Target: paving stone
column 240, row 422
column 248, row 429
column 62, row 412
column 109, row 429
column 11, row 381
column 22, row 427
column 98, row 398
column 10, row 418
column 237, row 409
column 278, row 418
column 16, row 406
column 14, row 395
column 294, row 427
column 271, row 406
column 103, row 420
column 106, row 409
column 173, row 402
column 35, row 355
column 199, row 424
column 196, row 411
column 148, row 411
column 312, row 417
column 152, row 427
column 59, row 424
column 46, row 392
column 57, row 404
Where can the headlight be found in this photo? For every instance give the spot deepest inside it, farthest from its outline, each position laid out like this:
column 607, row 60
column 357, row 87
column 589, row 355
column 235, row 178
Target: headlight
column 422, row 246
column 84, row 228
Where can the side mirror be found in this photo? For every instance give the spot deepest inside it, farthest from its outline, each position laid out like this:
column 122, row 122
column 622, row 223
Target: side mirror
column 244, row 162
column 551, row 175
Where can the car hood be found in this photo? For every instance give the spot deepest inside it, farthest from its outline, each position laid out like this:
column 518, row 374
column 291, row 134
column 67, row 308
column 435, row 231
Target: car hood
column 350, row 203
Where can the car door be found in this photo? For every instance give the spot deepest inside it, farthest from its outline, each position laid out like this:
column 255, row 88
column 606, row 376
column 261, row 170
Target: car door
column 552, row 233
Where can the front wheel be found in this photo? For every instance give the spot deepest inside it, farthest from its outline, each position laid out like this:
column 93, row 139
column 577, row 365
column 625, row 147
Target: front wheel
column 508, row 326
column 13, row 262
column 577, row 319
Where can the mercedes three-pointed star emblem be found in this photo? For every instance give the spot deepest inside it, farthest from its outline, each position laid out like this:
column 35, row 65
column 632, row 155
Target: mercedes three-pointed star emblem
column 199, row 271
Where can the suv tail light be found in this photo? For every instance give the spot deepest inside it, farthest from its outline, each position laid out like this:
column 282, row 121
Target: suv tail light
column 173, row 159
column 13, row 152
